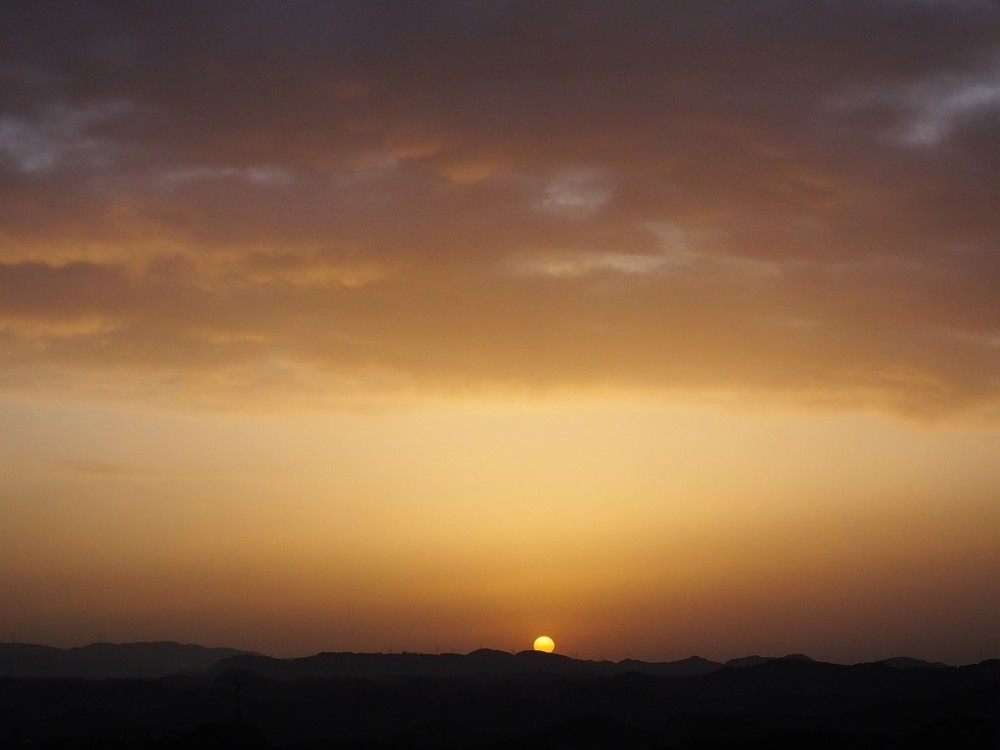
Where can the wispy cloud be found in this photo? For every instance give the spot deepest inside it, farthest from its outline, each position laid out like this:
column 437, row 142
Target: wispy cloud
column 61, row 134
column 576, row 194
column 261, row 176
column 579, row 264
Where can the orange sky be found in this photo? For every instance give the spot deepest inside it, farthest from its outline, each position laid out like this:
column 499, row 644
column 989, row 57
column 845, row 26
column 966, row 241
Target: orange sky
column 659, row 328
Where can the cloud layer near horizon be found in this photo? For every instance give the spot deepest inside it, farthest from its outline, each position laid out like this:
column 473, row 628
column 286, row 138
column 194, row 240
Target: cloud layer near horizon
column 229, row 203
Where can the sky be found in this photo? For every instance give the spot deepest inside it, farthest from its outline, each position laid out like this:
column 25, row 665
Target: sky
column 659, row 328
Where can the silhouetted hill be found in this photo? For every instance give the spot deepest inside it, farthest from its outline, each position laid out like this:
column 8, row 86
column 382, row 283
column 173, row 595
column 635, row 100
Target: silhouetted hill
column 798, row 657
column 378, row 665
column 480, row 662
column 693, row 665
column 748, row 661
column 756, row 661
column 108, row 660
column 906, row 662
column 126, row 660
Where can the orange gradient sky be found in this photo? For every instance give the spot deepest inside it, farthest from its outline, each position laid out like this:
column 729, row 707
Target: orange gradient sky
column 660, row 328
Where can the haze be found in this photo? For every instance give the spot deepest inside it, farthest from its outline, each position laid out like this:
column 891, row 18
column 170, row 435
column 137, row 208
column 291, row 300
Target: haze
column 661, row 328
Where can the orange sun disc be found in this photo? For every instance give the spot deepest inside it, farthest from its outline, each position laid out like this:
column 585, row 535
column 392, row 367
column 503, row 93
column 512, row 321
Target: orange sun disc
column 544, row 643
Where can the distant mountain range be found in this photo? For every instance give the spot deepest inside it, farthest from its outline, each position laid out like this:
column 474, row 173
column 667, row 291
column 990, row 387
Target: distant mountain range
column 159, row 659
column 484, row 700
column 100, row 661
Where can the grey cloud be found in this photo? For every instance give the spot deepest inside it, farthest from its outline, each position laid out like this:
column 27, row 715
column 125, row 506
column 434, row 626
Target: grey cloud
column 59, row 135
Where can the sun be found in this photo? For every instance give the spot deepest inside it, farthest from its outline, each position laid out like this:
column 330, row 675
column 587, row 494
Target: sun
column 544, row 643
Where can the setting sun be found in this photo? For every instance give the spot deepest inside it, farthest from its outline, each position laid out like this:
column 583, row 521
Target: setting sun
column 544, row 643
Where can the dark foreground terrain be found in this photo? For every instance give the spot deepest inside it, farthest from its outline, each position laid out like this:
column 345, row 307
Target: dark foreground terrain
column 381, row 702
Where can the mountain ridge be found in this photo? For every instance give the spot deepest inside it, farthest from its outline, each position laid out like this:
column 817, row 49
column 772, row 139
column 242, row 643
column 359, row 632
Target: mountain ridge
column 102, row 660
column 777, row 703
column 162, row 658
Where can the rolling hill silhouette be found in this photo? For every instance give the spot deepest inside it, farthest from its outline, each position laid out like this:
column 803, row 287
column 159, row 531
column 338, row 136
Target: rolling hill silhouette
column 159, row 659
column 98, row 661
column 485, row 699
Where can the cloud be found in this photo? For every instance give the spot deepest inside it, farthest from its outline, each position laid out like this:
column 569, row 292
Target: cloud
column 944, row 107
column 930, row 111
column 60, row 135
column 578, row 264
column 260, row 176
column 792, row 203
column 576, row 194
